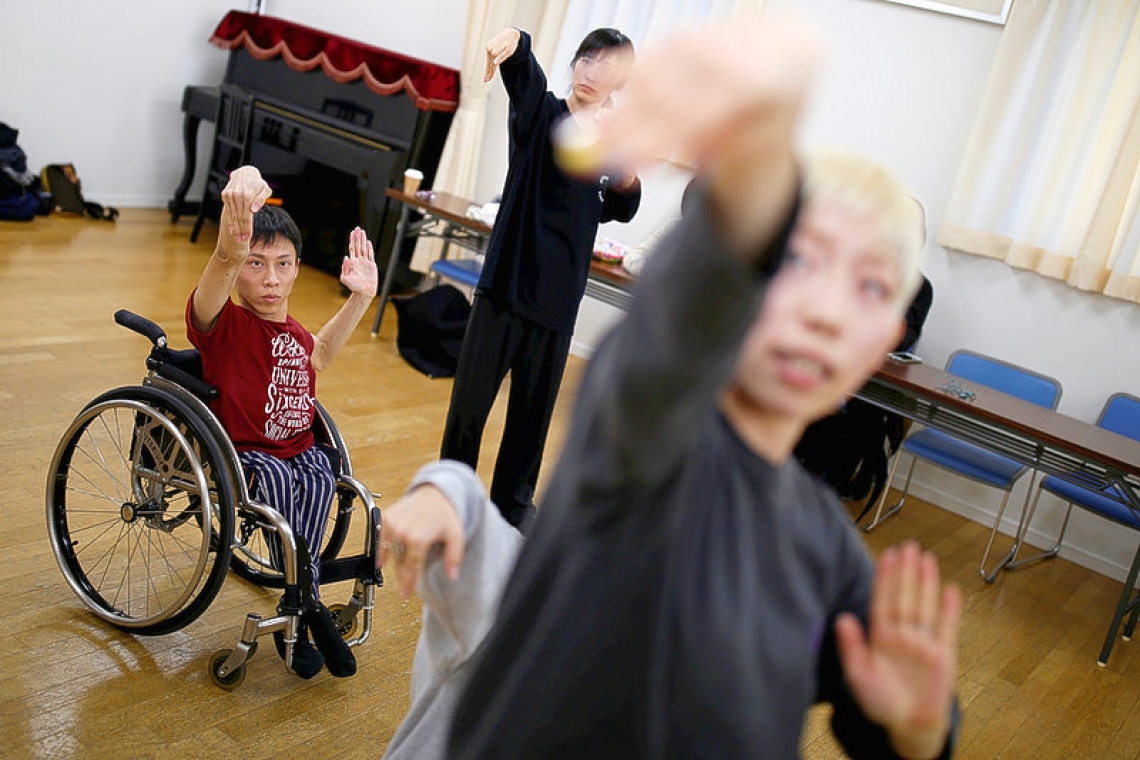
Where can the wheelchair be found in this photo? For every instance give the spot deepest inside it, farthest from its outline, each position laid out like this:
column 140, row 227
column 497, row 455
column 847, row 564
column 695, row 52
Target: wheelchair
column 147, row 509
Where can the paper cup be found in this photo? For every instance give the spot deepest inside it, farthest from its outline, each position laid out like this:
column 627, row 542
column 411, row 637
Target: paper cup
column 412, row 180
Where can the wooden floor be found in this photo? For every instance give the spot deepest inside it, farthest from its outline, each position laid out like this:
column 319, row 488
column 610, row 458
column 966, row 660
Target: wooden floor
column 72, row 686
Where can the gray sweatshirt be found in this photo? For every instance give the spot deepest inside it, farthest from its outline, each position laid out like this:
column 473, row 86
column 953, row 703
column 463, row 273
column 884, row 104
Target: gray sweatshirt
column 457, row 614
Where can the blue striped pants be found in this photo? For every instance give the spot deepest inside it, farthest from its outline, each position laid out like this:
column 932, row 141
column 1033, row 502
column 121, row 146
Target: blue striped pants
column 301, row 489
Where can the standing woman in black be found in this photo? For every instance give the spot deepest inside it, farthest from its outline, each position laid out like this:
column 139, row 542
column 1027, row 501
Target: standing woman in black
column 537, row 262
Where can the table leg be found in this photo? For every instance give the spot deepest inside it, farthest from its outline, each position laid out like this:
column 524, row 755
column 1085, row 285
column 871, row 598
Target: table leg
column 390, row 270
column 1127, row 604
column 1122, row 607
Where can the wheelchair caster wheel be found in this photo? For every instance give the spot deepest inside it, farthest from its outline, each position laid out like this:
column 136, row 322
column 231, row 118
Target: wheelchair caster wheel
column 347, row 627
column 231, row 680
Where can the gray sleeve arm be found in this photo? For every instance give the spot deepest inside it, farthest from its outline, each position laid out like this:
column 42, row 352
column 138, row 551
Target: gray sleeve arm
column 458, row 614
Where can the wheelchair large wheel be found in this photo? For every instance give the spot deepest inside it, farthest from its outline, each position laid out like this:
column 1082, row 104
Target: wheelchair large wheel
column 250, row 558
column 140, row 510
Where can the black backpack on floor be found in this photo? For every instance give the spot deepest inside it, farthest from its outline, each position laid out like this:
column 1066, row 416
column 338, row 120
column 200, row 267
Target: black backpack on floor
column 430, row 328
column 62, row 182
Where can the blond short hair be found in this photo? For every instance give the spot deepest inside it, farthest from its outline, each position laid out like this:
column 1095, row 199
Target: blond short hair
column 861, row 186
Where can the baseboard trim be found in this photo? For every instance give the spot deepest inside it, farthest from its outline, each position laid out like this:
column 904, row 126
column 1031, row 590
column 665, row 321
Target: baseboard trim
column 951, row 502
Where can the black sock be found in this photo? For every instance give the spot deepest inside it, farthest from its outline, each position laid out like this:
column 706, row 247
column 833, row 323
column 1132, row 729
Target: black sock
column 307, row 661
column 338, row 655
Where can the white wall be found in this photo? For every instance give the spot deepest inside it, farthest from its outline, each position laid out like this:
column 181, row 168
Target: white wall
column 100, row 84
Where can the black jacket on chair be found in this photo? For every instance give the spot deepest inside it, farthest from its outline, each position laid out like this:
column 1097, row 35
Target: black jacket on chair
column 850, row 449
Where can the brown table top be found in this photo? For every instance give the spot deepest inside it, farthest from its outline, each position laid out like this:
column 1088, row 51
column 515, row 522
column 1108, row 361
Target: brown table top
column 453, row 208
column 444, row 205
column 612, row 273
column 1038, row 424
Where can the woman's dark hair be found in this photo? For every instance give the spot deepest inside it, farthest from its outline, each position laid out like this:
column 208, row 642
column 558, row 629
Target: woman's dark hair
column 604, row 38
column 273, row 222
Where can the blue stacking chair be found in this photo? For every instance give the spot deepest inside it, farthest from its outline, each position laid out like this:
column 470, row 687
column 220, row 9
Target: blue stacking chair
column 465, row 271
column 1121, row 415
column 967, row 459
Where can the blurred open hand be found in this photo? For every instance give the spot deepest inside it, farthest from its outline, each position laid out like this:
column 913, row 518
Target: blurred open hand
column 902, row 670
column 358, row 271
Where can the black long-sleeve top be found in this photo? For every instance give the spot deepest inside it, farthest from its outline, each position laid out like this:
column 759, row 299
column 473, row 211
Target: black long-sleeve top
column 538, row 258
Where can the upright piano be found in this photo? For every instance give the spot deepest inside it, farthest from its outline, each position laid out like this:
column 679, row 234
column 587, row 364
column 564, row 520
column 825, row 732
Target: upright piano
column 322, row 99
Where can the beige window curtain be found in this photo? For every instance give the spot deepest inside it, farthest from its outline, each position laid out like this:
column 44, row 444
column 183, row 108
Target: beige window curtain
column 1050, row 180
column 459, row 162
column 642, row 20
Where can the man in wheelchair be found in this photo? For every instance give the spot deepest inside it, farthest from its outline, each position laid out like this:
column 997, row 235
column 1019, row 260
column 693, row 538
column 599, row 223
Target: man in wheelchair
column 264, row 365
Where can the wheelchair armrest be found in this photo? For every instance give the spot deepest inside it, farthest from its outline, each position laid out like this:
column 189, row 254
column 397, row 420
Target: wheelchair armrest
column 183, row 367
column 197, row 386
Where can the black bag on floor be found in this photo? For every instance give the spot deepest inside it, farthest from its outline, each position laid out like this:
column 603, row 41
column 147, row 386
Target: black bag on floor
column 62, row 182
column 850, row 449
column 19, row 208
column 20, row 199
column 430, row 329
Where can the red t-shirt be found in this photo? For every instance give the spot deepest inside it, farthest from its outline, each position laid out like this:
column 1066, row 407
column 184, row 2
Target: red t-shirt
column 266, row 383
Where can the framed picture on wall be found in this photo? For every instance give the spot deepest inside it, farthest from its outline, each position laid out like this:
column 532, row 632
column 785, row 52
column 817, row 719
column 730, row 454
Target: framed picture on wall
column 993, row 11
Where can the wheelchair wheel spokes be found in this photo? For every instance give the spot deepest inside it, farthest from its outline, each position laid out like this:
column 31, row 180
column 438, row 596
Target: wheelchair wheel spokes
column 128, row 497
column 252, row 558
column 336, row 527
column 118, row 550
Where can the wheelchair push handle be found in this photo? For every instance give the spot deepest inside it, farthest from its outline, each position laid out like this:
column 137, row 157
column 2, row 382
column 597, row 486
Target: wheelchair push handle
column 162, row 360
column 142, row 326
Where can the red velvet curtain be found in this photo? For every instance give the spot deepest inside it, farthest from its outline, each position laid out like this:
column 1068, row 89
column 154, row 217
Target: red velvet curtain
column 432, row 87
